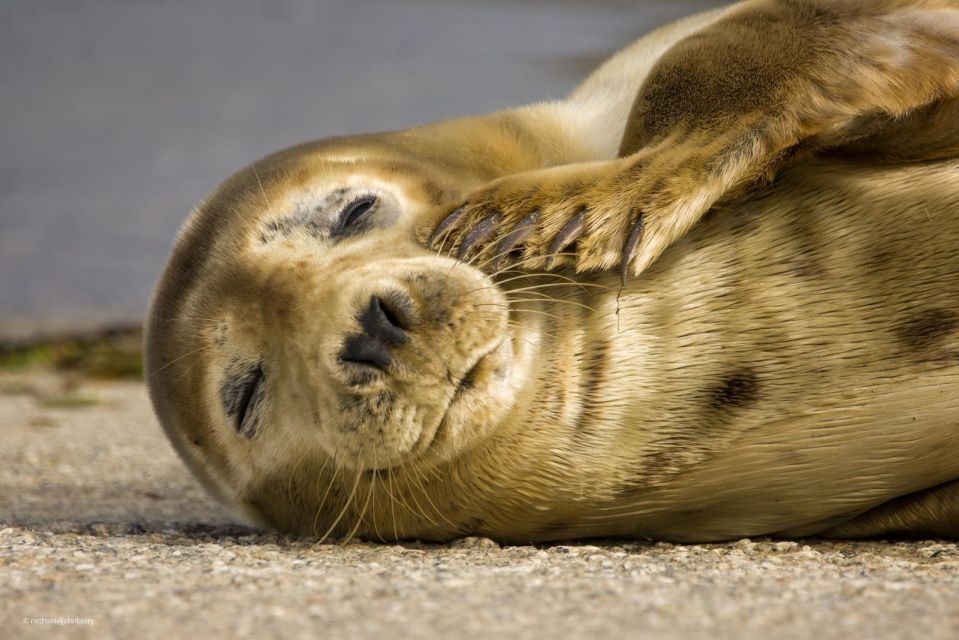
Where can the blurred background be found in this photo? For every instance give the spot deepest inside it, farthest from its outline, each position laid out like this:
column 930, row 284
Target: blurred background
column 118, row 116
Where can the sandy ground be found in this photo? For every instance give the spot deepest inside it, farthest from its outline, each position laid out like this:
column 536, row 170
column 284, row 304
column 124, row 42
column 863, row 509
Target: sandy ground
column 99, row 521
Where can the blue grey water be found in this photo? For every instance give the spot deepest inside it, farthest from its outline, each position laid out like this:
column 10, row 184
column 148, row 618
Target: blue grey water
column 117, row 116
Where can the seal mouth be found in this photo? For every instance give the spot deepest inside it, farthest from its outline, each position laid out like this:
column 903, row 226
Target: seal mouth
column 473, row 377
column 467, row 382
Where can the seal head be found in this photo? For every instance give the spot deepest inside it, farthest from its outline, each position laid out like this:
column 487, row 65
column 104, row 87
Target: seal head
column 301, row 324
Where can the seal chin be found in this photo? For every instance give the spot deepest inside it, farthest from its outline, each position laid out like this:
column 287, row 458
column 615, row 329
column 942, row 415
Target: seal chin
column 472, row 396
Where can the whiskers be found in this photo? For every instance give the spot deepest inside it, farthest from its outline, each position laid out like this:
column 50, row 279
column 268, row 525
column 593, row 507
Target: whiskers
column 201, row 350
column 266, row 201
column 347, row 506
column 409, row 490
column 543, row 287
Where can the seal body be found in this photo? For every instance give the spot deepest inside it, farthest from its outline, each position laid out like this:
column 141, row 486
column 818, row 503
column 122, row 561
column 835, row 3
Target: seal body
column 787, row 364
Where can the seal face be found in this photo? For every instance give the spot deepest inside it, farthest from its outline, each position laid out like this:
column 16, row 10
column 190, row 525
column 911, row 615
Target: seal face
column 787, row 366
column 320, row 285
column 301, row 320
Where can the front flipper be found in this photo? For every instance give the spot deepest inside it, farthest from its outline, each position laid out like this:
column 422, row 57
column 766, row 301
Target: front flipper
column 723, row 110
column 597, row 216
column 567, row 215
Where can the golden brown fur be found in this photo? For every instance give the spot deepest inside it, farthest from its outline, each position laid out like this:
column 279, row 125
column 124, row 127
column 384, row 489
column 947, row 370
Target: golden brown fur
column 789, row 365
column 767, row 82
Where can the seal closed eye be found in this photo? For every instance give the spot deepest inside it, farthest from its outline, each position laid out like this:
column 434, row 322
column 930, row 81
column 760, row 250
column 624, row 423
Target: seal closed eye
column 353, row 214
column 241, row 395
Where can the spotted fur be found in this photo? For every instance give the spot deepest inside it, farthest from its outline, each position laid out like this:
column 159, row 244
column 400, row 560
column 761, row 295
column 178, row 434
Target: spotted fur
column 786, row 365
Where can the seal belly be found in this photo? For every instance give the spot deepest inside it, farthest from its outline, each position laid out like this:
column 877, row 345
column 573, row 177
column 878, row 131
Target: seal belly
column 799, row 358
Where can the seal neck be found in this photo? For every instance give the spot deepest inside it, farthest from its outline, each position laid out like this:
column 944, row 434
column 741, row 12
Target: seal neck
column 482, row 148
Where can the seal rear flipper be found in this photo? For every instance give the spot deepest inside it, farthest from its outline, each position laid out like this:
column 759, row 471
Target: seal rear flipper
column 932, row 512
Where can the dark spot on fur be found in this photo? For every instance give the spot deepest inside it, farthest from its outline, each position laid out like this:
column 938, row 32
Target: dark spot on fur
column 738, row 390
column 593, row 372
column 806, row 261
column 657, row 466
column 707, row 423
column 197, row 443
column 926, row 328
column 807, row 266
column 879, row 258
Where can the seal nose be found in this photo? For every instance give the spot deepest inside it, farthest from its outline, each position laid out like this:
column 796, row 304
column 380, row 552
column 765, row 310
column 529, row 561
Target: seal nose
column 382, row 329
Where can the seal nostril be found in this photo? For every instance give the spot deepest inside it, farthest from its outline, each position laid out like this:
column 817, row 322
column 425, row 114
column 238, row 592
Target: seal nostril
column 364, row 350
column 382, row 322
column 388, row 312
column 384, row 325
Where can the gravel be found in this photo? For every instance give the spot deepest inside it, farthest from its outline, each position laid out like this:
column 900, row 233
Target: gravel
column 103, row 533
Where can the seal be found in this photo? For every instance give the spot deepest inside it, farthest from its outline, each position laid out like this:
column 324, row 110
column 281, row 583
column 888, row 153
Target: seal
column 714, row 293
